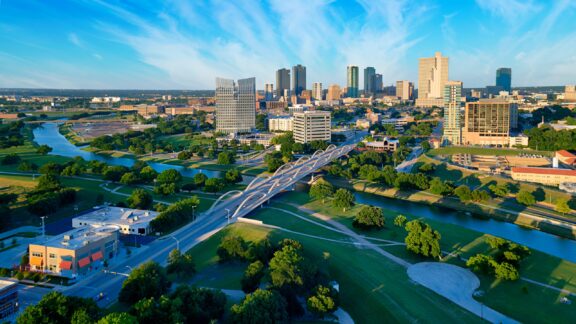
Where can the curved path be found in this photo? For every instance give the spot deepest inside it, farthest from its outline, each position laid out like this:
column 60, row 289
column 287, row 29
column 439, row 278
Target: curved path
column 455, row 284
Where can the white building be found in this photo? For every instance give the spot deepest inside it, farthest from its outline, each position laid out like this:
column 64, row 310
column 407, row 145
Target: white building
column 317, row 91
column 280, row 124
column 129, row 221
column 235, row 105
column 312, row 126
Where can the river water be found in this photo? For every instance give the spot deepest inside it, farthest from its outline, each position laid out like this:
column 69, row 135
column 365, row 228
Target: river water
column 49, row 134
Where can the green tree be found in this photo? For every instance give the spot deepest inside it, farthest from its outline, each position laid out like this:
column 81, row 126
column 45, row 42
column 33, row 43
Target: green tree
column 252, row 276
column 118, row 318
column 168, row 177
column 226, row 158
column 343, row 199
column 506, row 271
column 323, row 301
column 321, row 190
column 56, row 308
column 114, row 172
column 481, row 263
column 286, row 267
column 525, row 198
column 400, row 220
column 214, row 185
column 129, row 178
column 463, row 192
column 148, row 174
column 422, row 239
column 148, row 280
column 562, row 206
column 43, row 149
column 233, row 176
column 499, row 190
column 182, row 265
column 439, row 187
column 262, row 307
column 199, row 179
column 369, row 217
column 232, row 248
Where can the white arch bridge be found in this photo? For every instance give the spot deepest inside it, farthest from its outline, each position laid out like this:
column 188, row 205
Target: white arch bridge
column 237, row 203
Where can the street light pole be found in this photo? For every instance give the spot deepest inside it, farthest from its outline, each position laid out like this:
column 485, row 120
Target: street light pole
column 193, row 216
column 228, row 215
column 177, row 242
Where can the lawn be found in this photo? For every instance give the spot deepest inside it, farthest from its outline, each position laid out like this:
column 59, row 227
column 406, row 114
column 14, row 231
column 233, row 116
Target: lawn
column 485, row 151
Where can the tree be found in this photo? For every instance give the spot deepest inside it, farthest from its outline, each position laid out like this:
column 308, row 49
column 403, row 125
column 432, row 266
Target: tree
column 57, row 308
column 481, row 263
column 422, row 239
column 499, row 190
column 506, row 271
column 48, row 183
column 369, row 217
column 148, row 280
column 118, row 318
column 180, row 264
column 262, row 306
column 463, row 192
column 199, row 179
column 214, row 185
column 148, row 174
column 525, row 198
column 175, row 215
column 400, row 220
column 495, row 242
column 286, row 267
column 114, row 172
column 226, row 158
column 439, row 187
column 252, row 276
column 27, row 166
column 562, row 206
column 232, row 248
column 343, row 199
column 129, row 178
column 140, row 199
column 233, row 176
column 43, row 149
column 321, row 190
column 324, row 300
column 169, row 176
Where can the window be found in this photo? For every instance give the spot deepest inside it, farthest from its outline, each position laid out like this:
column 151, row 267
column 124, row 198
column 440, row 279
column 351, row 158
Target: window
column 37, row 254
column 52, row 255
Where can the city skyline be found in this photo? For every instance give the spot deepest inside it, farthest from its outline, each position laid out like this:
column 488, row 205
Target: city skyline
column 185, row 45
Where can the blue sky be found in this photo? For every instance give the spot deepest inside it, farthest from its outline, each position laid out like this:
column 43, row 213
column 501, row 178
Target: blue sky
column 185, row 44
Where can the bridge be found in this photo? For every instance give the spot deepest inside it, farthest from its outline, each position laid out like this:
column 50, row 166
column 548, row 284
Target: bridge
column 238, row 203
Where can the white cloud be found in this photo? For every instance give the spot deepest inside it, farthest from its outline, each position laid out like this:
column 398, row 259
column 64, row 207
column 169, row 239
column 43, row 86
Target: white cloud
column 511, row 10
column 74, row 39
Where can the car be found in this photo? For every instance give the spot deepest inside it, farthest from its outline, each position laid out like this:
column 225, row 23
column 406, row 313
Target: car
column 99, row 297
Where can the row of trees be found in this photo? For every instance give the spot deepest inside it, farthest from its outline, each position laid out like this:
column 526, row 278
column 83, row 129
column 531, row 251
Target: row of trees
column 504, row 261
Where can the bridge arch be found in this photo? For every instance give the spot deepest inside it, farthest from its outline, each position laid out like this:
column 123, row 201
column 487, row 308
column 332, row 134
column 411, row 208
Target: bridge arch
column 254, row 181
column 301, row 159
column 317, row 153
column 262, row 194
column 330, row 147
column 227, row 194
column 284, row 167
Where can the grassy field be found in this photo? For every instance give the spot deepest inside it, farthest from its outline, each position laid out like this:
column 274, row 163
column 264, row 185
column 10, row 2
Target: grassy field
column 485, row 151
column 183, row 140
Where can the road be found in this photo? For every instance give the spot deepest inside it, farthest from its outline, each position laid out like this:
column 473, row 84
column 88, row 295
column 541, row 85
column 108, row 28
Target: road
column 407, row 165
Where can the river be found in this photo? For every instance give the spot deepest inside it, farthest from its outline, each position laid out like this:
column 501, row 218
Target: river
column 49, row 134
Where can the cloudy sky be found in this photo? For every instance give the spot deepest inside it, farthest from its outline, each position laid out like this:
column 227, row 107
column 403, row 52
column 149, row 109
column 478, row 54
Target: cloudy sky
column 185, row 44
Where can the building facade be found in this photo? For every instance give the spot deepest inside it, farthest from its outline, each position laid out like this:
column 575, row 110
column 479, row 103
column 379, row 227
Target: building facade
column 545, row 176
column 404, row 90
column 504, row 79
column 298, row 79
column 369, row 80
column 378, row 83
column 280, row 124
column 8, row 298
column 352, row 81
column 487, row 122
column 452, row 122
column 317, row 90
column 268, row 92
column 75, row 252
column 128, row 221
column 235, row 105
column 282, row 82
column 570, row 93
column 432, row 76
column 334, row 92
column 312, row 126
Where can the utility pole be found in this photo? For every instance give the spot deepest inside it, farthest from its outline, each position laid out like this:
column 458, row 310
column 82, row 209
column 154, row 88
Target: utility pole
column 43, row 227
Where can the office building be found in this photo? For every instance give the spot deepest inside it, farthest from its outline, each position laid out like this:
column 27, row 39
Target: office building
column 298, row 79
column 378, row 83
column 235, row 105
column 75, row 252
column 268, row 91
column 8, row 298
column 280, row 124
column 488, row 122
column 404, row 90
column 504, row 79
column 369, row 78
column 432, row 76
column 452, row 121
column 129, row 221
column 570, row 93
column 334, row 92
column 282, row 82
column 545, row 176
column 317, row 91
column 352, row 81
column 311, row 126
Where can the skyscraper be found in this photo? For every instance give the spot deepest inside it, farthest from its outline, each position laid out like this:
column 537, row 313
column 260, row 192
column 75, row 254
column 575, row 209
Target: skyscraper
column 317, row 91
column 504, row 79
column 268, row 91
column 369, row 75
column 452, row 121
column 432, row 76
column 334, row 92
column 378, row 83
column 352, row 81
column 311, row 126
column 235, row 105
column 404, row 89
column 488, row 122
column 298, row 79
column 282, row 82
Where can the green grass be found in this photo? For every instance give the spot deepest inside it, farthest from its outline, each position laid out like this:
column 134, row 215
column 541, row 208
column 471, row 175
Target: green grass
column 183, row 140
column 485, row 151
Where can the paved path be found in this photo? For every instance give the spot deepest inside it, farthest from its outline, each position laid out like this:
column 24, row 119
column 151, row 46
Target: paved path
column 457, row 285
column 22, row 229
column 564, row 291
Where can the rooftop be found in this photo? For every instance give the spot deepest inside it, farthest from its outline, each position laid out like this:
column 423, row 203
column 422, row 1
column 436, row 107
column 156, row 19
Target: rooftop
column 565, row 153
column 6, row 283
column 80, row 237
column 551, row 171
column 118, row 216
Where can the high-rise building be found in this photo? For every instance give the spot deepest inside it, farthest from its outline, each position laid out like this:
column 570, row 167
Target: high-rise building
column 268, row 91
column 311, row 126
column 298, row 79
column 452, row 121
column 378, row 83
column 504, row 79
column 570, row 93
column 235, row 105
column 488, row 122
column 282, row 82
column 352, row 81
column 369, row 75
column 317, row 91
column 432, row 76
column 404, row 90
column 334, row 92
